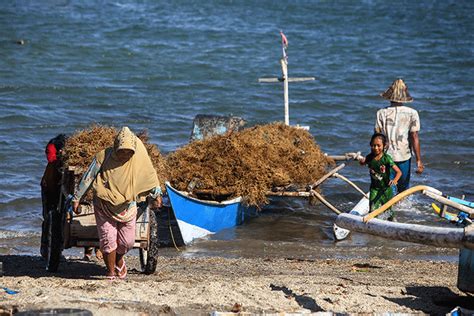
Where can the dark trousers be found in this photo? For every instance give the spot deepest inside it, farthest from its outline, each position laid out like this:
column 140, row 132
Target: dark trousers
column 404, row 181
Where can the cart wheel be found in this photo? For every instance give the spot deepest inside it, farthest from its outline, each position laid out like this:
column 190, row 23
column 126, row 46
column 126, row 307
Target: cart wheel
column 55, row 239
column 148, row 259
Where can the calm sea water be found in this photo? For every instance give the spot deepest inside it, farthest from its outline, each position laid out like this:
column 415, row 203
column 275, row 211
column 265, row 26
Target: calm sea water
column 156, row 64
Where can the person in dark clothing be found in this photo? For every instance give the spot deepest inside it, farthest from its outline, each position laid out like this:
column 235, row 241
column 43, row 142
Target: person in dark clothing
column 51, row 185
column 51, row 191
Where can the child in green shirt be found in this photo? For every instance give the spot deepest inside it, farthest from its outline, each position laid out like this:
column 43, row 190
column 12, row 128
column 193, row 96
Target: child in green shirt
column 379, row 164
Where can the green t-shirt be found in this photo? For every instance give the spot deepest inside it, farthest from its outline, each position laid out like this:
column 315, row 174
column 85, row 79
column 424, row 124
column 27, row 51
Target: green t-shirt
column 379, row 170
column 380, row 191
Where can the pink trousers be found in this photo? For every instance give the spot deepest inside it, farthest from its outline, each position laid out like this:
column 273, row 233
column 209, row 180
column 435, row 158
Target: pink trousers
column 114, row 235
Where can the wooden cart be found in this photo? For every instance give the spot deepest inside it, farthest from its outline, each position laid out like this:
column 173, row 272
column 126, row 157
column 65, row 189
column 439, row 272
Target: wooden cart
column 66, row 229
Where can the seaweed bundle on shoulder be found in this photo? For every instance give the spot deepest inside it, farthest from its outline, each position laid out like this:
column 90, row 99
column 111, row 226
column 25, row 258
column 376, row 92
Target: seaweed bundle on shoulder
column 248, row 163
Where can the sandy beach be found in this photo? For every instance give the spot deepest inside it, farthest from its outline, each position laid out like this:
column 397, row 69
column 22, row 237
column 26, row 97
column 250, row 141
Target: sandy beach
column 255, row 286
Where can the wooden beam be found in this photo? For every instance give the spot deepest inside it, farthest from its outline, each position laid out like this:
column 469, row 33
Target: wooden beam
column 325, row 202
column 290, row 194
column 448, row 202
column 344, row 157
column 337, row 175
column 327, row 175
column 292, row 79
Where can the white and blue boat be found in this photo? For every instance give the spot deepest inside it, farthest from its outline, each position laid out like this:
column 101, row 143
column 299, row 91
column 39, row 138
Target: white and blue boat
column 198, row 218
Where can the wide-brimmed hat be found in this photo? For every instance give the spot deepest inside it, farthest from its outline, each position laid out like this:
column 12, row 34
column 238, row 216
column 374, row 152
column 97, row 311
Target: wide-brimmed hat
column 397, row 92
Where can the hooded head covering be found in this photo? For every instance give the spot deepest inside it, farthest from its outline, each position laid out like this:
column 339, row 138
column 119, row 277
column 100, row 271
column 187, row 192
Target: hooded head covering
column 119, row 183
column 51, row 153
column 397, row 92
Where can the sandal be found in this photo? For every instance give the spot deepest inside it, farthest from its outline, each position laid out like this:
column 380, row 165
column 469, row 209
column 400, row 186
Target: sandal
column 98, row 254
column 122, row 271
column 110, row 277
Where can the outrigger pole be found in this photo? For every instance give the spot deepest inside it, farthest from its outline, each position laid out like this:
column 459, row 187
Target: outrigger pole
column 284, row 78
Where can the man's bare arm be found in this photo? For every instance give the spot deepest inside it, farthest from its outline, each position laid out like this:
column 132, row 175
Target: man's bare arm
column 415, row 145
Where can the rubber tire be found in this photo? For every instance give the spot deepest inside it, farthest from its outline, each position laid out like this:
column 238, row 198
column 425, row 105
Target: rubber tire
column 148, row 259
column 55, row 239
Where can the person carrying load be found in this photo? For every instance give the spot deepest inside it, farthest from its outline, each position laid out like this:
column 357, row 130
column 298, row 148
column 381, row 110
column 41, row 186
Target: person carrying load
column 120, row 176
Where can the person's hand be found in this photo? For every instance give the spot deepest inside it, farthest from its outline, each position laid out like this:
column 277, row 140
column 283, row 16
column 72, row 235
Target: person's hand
column 156, row 203
column 419, row 167
column 392, row 182
column 75, row 207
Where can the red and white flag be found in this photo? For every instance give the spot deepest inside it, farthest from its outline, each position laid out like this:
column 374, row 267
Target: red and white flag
column 284, row 40
column 284, row 45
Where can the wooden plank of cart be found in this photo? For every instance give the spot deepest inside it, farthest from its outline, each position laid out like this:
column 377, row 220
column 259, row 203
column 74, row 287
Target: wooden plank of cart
column 67, row 230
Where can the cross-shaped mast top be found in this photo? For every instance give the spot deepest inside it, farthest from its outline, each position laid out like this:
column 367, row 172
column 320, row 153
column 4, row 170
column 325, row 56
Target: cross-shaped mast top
column 284, row 78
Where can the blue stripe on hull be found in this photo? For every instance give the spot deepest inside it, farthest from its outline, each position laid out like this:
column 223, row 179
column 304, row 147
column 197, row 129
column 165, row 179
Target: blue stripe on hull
column 208, row 215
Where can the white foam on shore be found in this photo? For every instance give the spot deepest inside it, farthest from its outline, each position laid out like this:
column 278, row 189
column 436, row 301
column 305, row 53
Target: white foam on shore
column 7, row 234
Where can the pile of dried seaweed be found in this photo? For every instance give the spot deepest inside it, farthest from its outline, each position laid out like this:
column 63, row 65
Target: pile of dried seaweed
column 248, row 163
column 82, row 146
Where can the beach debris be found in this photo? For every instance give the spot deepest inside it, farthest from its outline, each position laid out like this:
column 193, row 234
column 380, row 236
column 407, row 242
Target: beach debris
column 248, row 163
column 8, row 310
column 237, row 308
column 363, row 267
column 460, row 311
column 9, row 291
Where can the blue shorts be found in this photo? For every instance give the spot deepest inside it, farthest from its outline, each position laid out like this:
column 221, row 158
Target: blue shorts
column 404, row 181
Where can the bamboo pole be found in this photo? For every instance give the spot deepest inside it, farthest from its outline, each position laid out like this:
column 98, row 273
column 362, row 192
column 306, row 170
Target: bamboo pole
column 345, row 157
column 273, row 80
column 284, row 193
column 428, row 235
column 327, row 175
column 269, row 193
column 398, row 198
column 284, row 70
column 340, row 176
column 325, row 202
column 448, row 202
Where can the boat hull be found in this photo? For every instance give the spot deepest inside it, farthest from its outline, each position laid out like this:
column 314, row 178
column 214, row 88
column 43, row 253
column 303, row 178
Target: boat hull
column 361, row 209
column 199, row 218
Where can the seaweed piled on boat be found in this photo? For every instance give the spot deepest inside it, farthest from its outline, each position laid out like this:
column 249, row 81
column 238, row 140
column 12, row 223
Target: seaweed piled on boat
column 82, row 146
column 248, row 163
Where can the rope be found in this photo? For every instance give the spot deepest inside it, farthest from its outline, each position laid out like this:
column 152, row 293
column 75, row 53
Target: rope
column 171, row 230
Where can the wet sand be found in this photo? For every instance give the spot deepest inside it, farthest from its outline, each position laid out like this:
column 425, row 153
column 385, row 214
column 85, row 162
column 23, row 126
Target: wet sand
column 261, row 285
